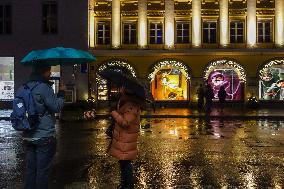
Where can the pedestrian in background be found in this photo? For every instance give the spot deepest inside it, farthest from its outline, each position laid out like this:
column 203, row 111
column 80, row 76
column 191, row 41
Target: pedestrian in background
column 209, row 95
column 40, row 143
column 200, row 96
column 222, row 94
column 125, row 135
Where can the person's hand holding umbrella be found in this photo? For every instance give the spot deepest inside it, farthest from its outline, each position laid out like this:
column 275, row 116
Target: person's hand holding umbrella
column 62, row 86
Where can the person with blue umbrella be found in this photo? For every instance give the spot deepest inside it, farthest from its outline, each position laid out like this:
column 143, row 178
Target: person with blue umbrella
column 40, row 142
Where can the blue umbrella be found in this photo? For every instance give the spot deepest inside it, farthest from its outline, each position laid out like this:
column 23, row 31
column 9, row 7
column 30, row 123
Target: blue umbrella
column 57, row 56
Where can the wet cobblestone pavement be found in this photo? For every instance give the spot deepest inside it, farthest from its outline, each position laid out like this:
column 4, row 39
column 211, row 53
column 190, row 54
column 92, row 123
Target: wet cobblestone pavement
column 174, row 153
column 5, row 113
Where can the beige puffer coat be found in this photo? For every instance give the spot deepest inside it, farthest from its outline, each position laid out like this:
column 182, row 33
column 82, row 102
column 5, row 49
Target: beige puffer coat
column 125, row 134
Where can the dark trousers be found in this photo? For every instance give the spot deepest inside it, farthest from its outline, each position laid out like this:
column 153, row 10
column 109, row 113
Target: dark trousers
column 200, row 103
column 39, row 156
column 208, row 106
column 126, row 169
column 222, row 103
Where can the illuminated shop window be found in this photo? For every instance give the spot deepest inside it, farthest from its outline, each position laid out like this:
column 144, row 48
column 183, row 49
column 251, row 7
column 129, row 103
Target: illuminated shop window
column 102, row 90
column 264, row 31
column 107, row 90
column 55, row 78
column 182, row 32
column 209, row 32
column 129, row 33
column 156, row 33
column 271, row 81
column 228, row 74
column 170, row 81
column 6, row 78
column 236, row 32
column 103, row 33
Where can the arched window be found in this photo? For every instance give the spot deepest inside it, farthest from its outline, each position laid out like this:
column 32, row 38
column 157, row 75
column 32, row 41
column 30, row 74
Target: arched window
column 271, row 80
column 169, row 80
column 105, row 91
column 228, row 74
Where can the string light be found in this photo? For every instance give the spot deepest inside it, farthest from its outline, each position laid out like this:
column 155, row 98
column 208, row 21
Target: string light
column 114, row 63
column 226, row 64
column 271, row 64
column 169, row 63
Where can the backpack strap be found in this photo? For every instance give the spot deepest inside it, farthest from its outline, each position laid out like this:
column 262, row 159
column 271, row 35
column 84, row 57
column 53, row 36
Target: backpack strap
column 37, row 84
column 32, row 88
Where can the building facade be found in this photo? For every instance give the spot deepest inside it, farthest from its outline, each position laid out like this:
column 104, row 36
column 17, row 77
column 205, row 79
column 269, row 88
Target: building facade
column 172, row 46
column 40, row 24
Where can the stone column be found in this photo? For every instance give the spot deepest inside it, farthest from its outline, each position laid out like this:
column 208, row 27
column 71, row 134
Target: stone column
column 115, row 23
column 196, row 23
column 91, row 24
column 224, row 23
column 169, row 24
column 251, row 23
column 279, row 23
column 142, row 24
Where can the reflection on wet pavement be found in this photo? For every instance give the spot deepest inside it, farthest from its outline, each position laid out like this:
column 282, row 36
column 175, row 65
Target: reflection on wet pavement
column 5, row 113
column 11, row 155
column 174, row 153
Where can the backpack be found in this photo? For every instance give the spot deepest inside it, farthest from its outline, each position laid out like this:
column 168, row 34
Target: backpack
column 24, row 116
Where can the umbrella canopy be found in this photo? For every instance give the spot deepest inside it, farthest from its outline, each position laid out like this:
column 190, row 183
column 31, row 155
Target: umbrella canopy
column 57, row 56
column 121, row 80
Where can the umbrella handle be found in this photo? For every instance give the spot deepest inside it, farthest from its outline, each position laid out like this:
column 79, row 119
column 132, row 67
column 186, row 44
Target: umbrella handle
column 61, row 77
column 61, row 82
